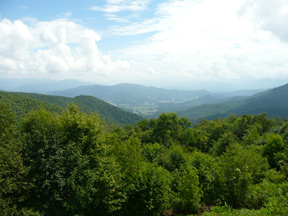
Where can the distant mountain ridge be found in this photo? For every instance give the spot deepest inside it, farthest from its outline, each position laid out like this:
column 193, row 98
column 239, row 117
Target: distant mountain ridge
column 150, row 101
column 133, row 93
column 273, row 102
column 132, row 97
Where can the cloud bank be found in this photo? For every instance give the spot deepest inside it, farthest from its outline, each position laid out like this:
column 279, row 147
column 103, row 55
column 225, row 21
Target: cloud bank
column 208, row 39
column 180, row 40
column 59, row 48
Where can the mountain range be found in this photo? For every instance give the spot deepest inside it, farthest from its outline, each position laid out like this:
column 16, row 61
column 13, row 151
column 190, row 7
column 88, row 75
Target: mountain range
column 273, row 102
column 151, row 101
column 135, row 98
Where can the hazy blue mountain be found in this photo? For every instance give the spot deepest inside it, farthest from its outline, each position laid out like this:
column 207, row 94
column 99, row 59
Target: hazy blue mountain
column 150, row 101
column 23, row 103
column 244, row 92
column 273, row 102
column 131, row 93
column 136, row 98
column 38, row 85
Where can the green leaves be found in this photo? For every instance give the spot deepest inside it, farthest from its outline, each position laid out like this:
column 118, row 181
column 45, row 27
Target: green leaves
column 187, row 190
column 70, row 164
column 150, row 192
column 272, row 150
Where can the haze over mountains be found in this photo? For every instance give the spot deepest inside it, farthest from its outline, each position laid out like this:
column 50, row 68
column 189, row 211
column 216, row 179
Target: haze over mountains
column 273, row 102
column 151, row 101
column 38, row 85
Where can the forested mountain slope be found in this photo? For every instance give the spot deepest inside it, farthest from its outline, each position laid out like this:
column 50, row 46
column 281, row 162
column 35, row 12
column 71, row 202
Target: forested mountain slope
column 23, row 103
column 274, row 102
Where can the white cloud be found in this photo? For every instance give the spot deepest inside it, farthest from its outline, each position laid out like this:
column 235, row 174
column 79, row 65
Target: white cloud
column 212, row 39
column 188, row 40
column 58, row 47
column 115, row 6
column 67, row 14
column 113, row 17
column 270, row 15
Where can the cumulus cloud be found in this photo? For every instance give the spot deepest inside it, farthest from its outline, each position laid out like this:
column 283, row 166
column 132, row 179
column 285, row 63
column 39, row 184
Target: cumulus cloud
column 212, row 39
column 186, row 39
column 269, row 15
column 57, row 47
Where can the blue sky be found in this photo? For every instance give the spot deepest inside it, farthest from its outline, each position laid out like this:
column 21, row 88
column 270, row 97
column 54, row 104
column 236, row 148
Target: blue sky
column 80, row 12
column 173, row 43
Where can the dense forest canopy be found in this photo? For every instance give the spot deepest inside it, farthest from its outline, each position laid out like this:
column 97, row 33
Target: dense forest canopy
column 23, row 103
column 71, row 163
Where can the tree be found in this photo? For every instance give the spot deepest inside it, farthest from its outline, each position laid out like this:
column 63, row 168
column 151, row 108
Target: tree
column 187, row 191
column 168, row 128
column 209, row 176
column 272, row 150
column 240, row 167
column 150, row 193
column 12, row 171
column 69, row 164
column 172, row 159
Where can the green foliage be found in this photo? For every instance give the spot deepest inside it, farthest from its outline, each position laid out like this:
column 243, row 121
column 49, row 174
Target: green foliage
column 150, row 193
column 70, row 163
column 272, row 150
column 222, row 143
column 152, row 151
column 240, row 167
column 209, row 177
column 23, row 103
column 168, row 128
column 165, row 130
column 12, row 171
column 172, row 158
column 187, row 191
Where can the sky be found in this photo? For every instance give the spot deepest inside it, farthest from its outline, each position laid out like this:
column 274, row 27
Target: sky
column 188, row 44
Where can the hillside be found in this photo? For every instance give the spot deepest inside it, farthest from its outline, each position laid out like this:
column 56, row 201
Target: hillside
column 23, row 103
column 273, row 102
